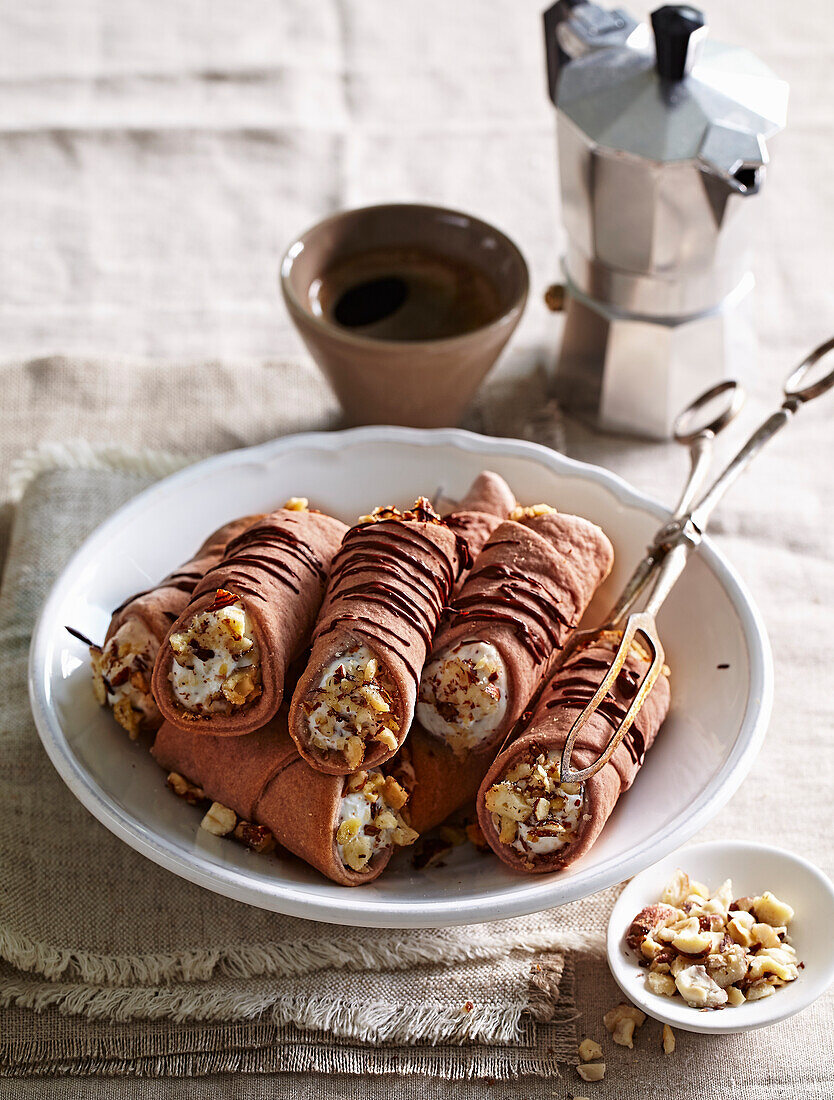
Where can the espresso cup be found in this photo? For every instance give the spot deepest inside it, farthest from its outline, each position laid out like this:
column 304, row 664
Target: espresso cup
column 404, row 308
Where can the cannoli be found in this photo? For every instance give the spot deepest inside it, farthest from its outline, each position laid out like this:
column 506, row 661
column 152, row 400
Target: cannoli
column 222, row 666
column 529, row 587
column 123, row 665
column 488, row 501
column 532, row 821
column 347, row 827
column 389, row 583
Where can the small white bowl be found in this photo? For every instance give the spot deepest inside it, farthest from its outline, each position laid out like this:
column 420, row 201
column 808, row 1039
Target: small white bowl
column 753, row 868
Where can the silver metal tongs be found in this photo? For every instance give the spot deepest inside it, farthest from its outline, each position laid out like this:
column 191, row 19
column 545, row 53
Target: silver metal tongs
column 674, row 542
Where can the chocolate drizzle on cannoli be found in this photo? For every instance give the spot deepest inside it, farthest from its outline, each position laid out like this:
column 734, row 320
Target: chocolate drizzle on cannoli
column 487, row 503
column 579, row 688
column 531, row 583
column 557, row 707
column 275, row 571
column 122, row 665
column 271, row 541
column 177, row 582
column 388, row 586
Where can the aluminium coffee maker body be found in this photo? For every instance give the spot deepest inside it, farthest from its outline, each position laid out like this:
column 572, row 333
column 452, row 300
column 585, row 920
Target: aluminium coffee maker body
column 662, row 139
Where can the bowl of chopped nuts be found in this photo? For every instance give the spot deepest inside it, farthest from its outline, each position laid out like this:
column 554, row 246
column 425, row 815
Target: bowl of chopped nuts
column 738, row 940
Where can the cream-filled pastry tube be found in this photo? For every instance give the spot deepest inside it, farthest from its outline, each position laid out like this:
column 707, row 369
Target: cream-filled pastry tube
column 527, row 590
column 123, row 665
column 389, row 583
column 222, row 666
column 532, row 821
column 347, row 827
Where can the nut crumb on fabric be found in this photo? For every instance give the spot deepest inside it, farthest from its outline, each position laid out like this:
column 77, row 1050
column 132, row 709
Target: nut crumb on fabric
column 593, row 1071
column 589, row 1050
column 622, row 1022
column 668, row 1039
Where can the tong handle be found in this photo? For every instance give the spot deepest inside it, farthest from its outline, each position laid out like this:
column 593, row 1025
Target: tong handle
column 700, row 515
column 797, row 393
column 723, row 401
column 638, row 623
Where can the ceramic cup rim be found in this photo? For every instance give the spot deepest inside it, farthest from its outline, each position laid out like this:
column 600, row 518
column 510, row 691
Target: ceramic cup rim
column 509, row 315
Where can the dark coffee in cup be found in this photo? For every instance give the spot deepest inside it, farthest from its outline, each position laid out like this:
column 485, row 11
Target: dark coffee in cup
column 405, row 294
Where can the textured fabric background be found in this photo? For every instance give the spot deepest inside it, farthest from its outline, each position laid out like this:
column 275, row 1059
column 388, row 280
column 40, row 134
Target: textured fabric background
column 154, row 160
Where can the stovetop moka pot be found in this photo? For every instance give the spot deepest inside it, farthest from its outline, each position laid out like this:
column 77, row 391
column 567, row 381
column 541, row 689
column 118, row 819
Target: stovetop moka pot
column 662, row 139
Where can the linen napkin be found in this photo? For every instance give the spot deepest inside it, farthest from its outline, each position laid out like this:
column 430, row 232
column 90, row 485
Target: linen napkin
column 89, row 927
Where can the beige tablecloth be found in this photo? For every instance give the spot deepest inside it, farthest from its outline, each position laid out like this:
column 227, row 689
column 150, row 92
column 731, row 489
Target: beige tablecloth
column 155, row 158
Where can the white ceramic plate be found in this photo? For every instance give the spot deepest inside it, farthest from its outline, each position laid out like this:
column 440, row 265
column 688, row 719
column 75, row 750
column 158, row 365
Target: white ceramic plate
column 718, row 719
column 753, row 868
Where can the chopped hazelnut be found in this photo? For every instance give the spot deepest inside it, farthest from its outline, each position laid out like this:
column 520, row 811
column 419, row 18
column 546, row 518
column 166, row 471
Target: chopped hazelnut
column 711, row 949
column 690, row 940
column 594, row 1071
column 772, row 960
column 764, row 935
column 698, row 989
column 256, row 837
column 386, row 738
column 647, row 921
column 740, row 929
column 394, row 794
column 758, row 990
column 219, row 820
column 621, row 1023
column 727, row 966
column 589, row 1050
column 128, row 718
column 663, row 984
column 356, row 781
column 734, row 996
column 724, row 894
column 650, row 949
column 354, row 752
column 770, row 910
column 183, row 789
column 668, row 1040
column 677, row 889
column 743, row 905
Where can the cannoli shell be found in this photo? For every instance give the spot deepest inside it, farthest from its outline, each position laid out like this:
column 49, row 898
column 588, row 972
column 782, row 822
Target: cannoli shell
column 278, row 568
column 387, row 590
column 442, row 782
column 488, row 501
column 542, row 572
column 160, row 606
column 262, row 778
column 557, row 708
column 488, row 493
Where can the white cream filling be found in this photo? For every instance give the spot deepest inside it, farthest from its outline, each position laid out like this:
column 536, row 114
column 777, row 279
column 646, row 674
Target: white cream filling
column 122, row 672
column 463, row 694
column 350, row 706
column 368, row 806
column 533, row 811
column 216, row 661
column 565, row 819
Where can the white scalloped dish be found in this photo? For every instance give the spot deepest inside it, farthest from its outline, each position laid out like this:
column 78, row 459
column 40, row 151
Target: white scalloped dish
column 714, row 638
